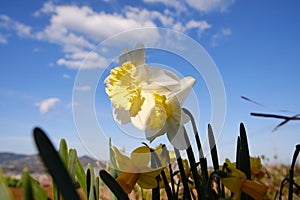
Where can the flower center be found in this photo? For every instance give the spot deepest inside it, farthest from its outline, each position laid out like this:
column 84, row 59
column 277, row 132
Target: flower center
column 161, row 100
column 160, row 113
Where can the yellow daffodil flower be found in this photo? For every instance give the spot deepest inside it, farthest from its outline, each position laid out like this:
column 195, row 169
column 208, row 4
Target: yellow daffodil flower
column 165, row 156
column 135, row 169
column 256, row 168
column 149, row 97
column 237, row 183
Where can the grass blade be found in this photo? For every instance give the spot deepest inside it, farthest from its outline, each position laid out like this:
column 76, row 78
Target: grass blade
column 113, row 185
column 54, row 165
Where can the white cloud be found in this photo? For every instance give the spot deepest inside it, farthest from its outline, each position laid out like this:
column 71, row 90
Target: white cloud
column 200, row 26
column 93, row 25
column 77, row 39
column 72, row 104
column 47, row 104
column 3, row 39
column 9, row 24
column 66, row 76
column 83, row 88
column 47, row 8
column 77, row 29
column 226, row 31
column 166, row 20
column 144, row 16
column 82, row 59
column 210, row 5
column 173, row 3
column 220, row 35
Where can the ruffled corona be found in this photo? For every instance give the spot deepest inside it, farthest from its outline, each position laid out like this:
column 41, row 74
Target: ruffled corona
column 124, row 88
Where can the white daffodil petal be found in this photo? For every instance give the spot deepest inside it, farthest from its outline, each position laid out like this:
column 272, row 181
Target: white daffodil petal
column 142, row 72
column 125, row 56
column 186, row 85
column 121, row 115
column 164, row 78
column 138, row 55
column 184, row 118
column 177, row 136
column 141, row 120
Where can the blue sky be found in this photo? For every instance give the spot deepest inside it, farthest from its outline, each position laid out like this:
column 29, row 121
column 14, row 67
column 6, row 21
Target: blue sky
column 255, row 45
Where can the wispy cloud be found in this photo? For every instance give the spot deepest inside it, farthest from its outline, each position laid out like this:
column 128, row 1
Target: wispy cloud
column 210, row 5
column 21, row 29
column 72, row 104
column 172, row 3
column 220, row 35
column 47, row 105
column 205, row 6
column 47, row 8
column 3, row 39
column 83, row 88
column 66, row 76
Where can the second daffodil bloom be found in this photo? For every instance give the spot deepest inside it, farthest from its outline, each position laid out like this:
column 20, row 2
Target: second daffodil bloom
column 149, row 97
column 256, row 168
column 135, row 169
column 237, row 182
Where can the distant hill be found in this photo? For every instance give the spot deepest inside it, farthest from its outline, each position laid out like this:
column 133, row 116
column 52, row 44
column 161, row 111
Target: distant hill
column 15, row 163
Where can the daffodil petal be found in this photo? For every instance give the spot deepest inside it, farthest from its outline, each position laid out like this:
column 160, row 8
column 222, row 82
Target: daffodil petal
column 138, row 55
column 256, row 190
column 176, row 135
column 162, row 81
column 142, row 72
column 147, row 180
column 140, row 156
column 186, row 85
column 142, row 118
column 125, row 56
column 184, row 118
column 121, row 115
column 234, row 184
column 123, row 162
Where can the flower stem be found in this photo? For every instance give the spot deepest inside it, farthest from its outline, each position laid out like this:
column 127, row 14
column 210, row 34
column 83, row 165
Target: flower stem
column 158, row 164
column 192, row 161
column 202, row 159
column 183, row 177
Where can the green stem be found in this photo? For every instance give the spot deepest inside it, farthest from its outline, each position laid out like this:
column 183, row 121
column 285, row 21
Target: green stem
column 183, row 177
column 202, row 159
column 192, row 161
column 166, row 183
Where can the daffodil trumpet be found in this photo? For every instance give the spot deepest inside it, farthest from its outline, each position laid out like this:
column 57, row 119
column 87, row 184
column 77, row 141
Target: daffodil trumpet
column 237, row 182
column 134, row 169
